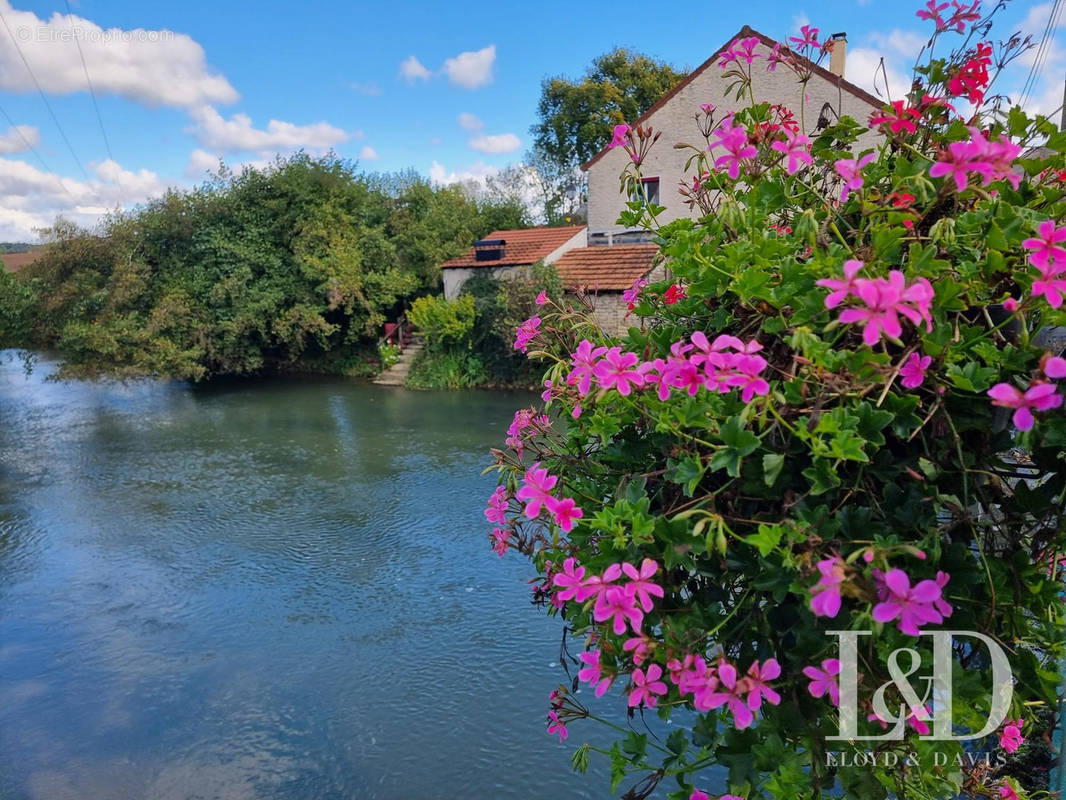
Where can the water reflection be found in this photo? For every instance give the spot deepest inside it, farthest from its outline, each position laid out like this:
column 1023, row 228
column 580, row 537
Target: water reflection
column 274, row 590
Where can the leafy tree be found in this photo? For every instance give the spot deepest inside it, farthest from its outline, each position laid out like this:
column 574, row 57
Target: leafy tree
column 575, row 118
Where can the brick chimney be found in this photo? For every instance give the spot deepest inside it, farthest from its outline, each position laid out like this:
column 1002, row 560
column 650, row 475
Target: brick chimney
column 838, row 54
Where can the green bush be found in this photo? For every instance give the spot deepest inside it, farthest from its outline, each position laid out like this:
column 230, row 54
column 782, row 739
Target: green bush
column 444, row 323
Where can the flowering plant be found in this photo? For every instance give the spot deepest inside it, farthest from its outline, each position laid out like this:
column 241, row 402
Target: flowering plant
column 840, row 414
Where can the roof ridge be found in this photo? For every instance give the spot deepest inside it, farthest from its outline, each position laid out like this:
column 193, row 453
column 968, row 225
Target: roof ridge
column 746, row 30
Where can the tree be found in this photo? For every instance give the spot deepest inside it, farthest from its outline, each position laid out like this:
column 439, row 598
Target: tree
column 576, row 117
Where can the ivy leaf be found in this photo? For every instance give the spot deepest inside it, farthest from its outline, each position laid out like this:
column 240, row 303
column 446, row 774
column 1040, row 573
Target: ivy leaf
column 972, row 377
column 687, row 471
column 821, row 476
column 768, row 537
column 738, row 442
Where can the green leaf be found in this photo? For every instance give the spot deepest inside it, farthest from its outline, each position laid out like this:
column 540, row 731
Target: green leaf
column 768, row 537
column 687, row 471
column 580, row 760
column 771, row 467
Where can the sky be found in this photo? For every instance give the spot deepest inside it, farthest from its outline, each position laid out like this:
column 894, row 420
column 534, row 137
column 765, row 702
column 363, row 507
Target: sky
column 449, row 89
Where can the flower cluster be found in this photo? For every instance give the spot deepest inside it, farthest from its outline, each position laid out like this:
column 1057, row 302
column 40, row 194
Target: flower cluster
column 884, row 300
column 526, row 424
column 720, row 684
column 526, row 332
column 734, row 140
column 912, row 607
column 535, row 492
column 1049, row 259
column 972, row 77
column 993, row 161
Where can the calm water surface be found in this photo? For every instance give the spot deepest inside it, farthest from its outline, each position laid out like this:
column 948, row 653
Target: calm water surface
column 268, row 590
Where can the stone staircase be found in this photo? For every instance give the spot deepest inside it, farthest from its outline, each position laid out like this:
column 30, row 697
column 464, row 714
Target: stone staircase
column 396, row 375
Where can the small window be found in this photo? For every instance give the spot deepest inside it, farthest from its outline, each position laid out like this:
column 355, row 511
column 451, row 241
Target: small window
column 650, row 193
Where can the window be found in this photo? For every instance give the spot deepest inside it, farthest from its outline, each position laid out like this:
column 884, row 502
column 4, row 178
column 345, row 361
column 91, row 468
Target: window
column 650, row 193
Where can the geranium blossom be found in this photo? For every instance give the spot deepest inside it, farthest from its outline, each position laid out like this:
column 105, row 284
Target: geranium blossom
column 823, row 681
column 734, row 140
column 631, row 295
column 809, row 38
column 796, row 147
column 497, row 510
column 841, row 289
column 618, row 604
column 1047, row 256
column 572, row 583
column 620, row 371
column 501, row 541
column 646, row 686
column 1010, row 738
column 885, row 300
column 932, row 12
column 900, row 120
column 591, row 672
column 912, row 374
column 1006, row 792
column 674, row 294
column 542, row 298
column 991, row 160
column 1054, row 366
column 972, row 77
column 730, row 693
column 913, row 607
column 537, row 484
column 640, row 647
column 564, row 511
column 584, row 360
column 825, row 595
column 851, row 171
column 739, row 50
column 1038, row 397
column 639, row 583
column 756, row 683
column 619, row 137
column 557, row 726
column 525, row 333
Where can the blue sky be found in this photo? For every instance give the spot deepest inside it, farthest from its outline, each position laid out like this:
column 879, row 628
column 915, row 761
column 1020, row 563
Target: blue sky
column 180, row 84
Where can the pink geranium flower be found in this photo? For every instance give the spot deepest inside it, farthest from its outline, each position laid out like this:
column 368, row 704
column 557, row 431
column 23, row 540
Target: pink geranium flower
column 525, row 333
column 1038, row 397
column 825, row 595
column 1010, row 739
column 1047, row 253
column 739, row 50
column 619, row 138
column 841, row 289
column 584, row 360
column 557, row 726
column 912, row 373
column 1006, row 792
column 639, row 583
column 617, row 604
column 823, row 681
column 730, row 693
column 885, row 300
column 564, row 511
column 809, row 38
column 497, row 510
column 734, row 140
column 590, row 673
column 851, row 171
column 932, row 12
column 900, row 120
column 571, row 582
column 1054, row 367
column 646, row 685
column 913, row 607
column 542, row 298
column 500, row 541
column 757, row 686
column 620, row 371
column 796, row 147
column 537, row 484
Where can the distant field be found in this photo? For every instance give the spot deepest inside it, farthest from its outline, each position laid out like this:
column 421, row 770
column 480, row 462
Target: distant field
column 16, row 261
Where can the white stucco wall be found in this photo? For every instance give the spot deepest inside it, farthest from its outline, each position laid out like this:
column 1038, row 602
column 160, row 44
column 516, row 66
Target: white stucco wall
column 455, row 277
column 676, row 121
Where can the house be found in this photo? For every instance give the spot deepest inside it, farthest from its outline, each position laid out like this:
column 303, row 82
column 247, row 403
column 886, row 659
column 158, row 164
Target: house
column 605, row 258
column 828, row 96
column 503, row 252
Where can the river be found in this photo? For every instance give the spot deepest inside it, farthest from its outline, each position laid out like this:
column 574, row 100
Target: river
column 270, row 589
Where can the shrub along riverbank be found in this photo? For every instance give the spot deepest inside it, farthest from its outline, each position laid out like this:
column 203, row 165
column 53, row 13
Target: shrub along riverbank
column 290, row 268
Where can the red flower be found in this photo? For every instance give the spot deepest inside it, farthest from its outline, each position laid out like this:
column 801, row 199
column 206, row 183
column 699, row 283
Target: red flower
column 673, row 294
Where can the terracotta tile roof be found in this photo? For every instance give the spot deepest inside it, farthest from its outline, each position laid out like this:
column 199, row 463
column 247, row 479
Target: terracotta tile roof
column 746, row 31
column 525, row 246
column 16, row 261
column 606, row 268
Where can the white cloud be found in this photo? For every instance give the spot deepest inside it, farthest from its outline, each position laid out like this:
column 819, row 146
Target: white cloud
column 369, row 89
column 153, row 67
column 17, row 138
column 201, row 163
column 472, row 69
column 905, row 44
column 475, row 173
column 495, row 143
column 470, row 122
column 31, row 198
column 412, row 70
column 238, row 134
column 799, row 20
column 863, row 68
column 368, row 153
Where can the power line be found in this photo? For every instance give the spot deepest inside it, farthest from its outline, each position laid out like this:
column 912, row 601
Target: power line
column 44, row 97
column 30, row 146
column 1041, row 53
column 88, row 80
